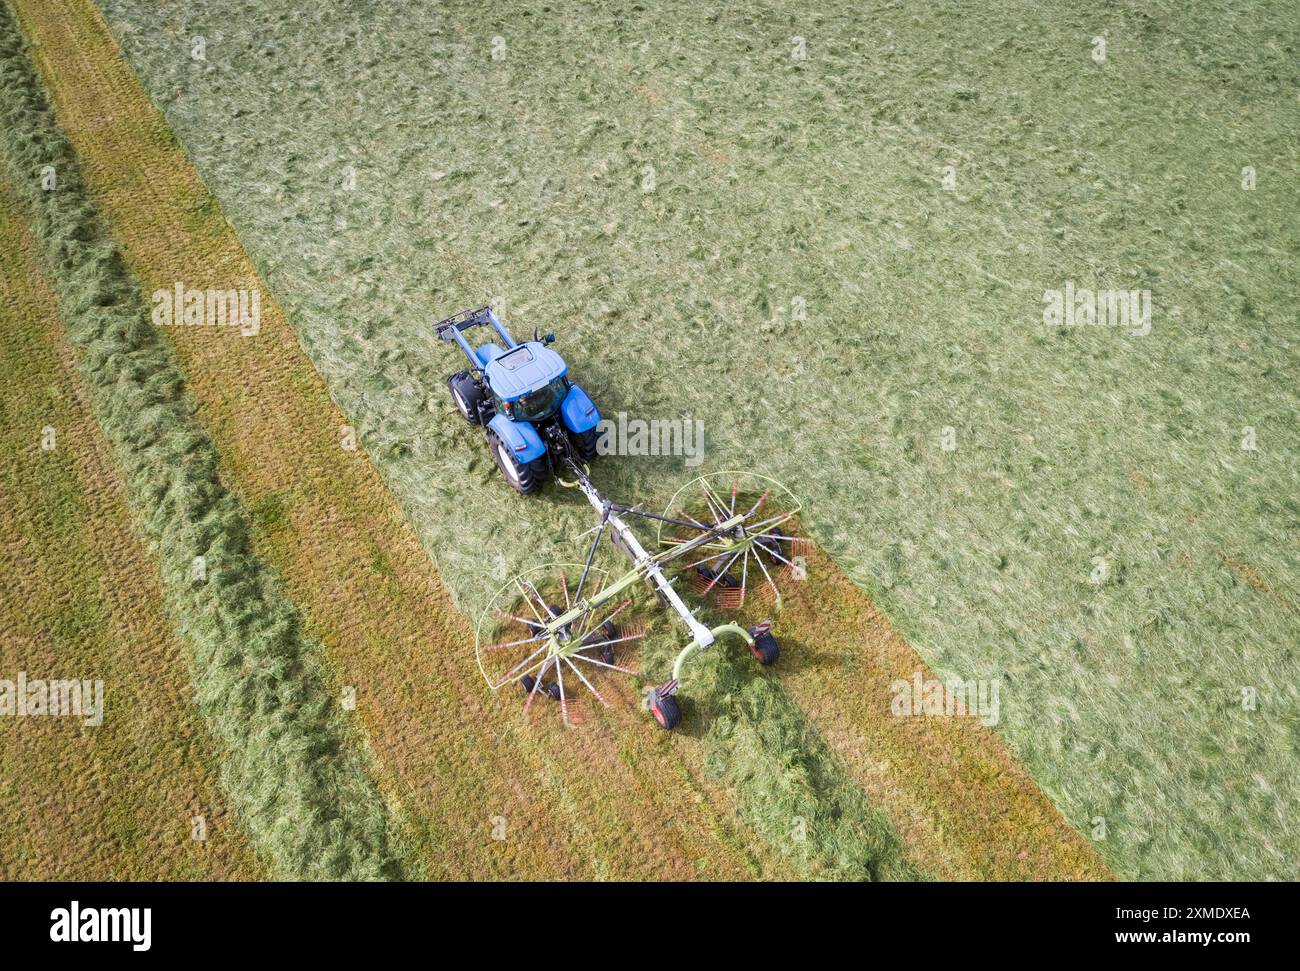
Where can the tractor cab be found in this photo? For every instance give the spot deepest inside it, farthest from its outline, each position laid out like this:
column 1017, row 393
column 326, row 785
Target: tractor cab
column 527, row 381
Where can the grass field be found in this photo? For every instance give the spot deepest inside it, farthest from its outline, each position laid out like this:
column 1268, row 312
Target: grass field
column 830, row 235
column 82, row 600
column 576, row 808
column 1098, row 540
column 291, row 762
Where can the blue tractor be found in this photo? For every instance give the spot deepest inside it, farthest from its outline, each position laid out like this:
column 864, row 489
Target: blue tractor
column 537, row 421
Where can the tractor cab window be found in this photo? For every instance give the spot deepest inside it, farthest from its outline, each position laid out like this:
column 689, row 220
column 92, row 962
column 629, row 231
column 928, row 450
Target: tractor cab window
column 540, row 404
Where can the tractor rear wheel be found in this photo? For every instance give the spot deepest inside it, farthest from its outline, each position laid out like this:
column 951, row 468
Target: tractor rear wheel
column 466, row 394
column 666, row 711
column 524, row 477
column 585, row 443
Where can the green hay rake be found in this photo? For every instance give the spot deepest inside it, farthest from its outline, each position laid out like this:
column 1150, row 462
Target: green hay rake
column 552, row 629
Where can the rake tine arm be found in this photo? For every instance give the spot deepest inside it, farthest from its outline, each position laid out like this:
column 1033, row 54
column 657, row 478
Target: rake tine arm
column 520, row 667
column 602, row 664
column 590, row 686
column 526, row 640
column 528, row 600
column 770, row 582
column 536, row 685
column 547, row 607
column 719, row 575
column 615, row 640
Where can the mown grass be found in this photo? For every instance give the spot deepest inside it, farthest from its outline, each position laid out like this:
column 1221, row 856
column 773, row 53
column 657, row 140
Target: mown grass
column 782, row 774
column 81, row 598
column 592, row 803
column 292, row 767
column 521, row 180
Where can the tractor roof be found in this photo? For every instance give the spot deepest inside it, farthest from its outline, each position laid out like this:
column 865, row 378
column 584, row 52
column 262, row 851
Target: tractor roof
column 522, row 369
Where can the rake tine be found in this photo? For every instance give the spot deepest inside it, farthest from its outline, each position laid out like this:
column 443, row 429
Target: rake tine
column 536, row 685
column 768, row 523
column 770, row 581
column 531, row 606
column 715, row 505
column 717, row 499
column 685, row 515
column 520, row 666
column 706, row 559
column 564, row 702
column 744, row 576
column 525, row 621
column 617, row 610
column 564, row 585
column 779, row 557
column 590, row 686
column 549, row 612
column 602, row 664
column 526, row 640
column 721, row 573
column 730, row 598
column 616, row 640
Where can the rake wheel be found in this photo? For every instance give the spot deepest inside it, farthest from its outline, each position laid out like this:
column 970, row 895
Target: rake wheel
column 551, row 631
column 757, row 548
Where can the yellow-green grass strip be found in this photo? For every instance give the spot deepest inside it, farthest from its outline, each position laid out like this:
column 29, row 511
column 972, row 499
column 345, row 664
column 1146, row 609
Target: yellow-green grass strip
column 292, row 767
column 124, row 786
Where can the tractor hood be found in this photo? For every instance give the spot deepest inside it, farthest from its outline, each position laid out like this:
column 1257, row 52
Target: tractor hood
column 522, row 369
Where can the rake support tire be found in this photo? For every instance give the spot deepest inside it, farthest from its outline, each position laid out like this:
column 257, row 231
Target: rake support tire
column 766, row 650
column 666, row 712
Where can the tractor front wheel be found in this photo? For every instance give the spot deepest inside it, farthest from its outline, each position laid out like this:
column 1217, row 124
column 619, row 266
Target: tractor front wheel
column 466, row 394
column 524, row 477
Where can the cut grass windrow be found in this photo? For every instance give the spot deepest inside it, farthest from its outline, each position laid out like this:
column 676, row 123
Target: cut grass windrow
column 136, row 796
column 613, row 799
column 965, row 809
column 299, row 782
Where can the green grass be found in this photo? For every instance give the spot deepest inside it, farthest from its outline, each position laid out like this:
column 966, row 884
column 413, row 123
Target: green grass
column 294, row 768
column 821, row 179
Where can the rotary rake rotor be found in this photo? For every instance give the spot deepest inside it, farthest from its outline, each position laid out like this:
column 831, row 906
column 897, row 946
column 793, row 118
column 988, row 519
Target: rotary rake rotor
column 755, row 547
column 551, row 631
column 567, row 630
